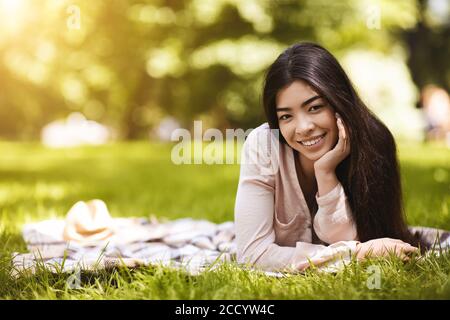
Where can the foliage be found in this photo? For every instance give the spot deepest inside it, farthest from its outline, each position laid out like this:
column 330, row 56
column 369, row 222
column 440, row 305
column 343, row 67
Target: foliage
column 129, row 63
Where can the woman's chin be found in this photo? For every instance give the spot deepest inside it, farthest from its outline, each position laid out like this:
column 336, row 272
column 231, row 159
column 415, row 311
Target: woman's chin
column 312, row 157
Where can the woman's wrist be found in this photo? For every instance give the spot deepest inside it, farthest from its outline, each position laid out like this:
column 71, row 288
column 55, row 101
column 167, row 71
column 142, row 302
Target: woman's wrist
column 326, row 181
column 323, row 172
column 319, row 168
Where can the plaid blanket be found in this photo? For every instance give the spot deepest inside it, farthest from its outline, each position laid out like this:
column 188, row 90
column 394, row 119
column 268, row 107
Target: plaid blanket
column 184, row 243
column 434, row 239
column 193, row 245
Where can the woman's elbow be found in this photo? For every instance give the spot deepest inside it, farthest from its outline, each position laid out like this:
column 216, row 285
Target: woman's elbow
column 253, row 258
column 246, row 257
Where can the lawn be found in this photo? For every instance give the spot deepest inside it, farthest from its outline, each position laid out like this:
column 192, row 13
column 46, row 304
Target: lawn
column 138, row 179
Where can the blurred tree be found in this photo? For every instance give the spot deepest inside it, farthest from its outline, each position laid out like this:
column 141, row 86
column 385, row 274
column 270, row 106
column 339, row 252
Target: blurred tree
column 429, row 44
column 129, row 63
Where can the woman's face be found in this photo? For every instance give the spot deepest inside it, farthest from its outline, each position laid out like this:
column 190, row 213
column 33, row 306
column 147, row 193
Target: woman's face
column 307, row 122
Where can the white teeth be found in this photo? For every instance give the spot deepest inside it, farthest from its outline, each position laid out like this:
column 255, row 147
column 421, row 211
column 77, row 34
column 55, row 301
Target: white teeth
column 311, row 142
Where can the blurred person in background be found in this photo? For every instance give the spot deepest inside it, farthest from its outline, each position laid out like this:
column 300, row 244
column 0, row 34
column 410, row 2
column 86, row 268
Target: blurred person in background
column 435, row 103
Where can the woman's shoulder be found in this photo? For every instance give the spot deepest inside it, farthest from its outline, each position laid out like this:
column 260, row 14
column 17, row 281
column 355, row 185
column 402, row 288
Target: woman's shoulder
column 263, row 143
column 259, row 134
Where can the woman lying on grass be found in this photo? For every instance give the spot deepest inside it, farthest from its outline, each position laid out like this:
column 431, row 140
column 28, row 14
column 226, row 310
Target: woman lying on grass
column 331, row 187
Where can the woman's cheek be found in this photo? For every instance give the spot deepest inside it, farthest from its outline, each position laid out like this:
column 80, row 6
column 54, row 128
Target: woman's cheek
column 285, row 135
column 283, row 132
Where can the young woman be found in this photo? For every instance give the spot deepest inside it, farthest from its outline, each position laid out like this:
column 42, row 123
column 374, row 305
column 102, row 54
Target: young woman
column 331, row 187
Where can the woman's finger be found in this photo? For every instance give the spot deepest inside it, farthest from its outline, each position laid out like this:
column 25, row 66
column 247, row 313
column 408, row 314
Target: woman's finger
column 344, row 134
column 343, row 137
column 404, row 250
column 341, row 145
column 404, row 257
column 410, row 248
column 342, row 128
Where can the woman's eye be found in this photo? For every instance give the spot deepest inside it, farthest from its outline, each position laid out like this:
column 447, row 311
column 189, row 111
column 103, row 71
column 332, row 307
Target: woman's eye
column 284, row 117
column 314, row 108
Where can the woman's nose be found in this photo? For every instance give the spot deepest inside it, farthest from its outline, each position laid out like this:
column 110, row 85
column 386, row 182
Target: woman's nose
column 304, row 126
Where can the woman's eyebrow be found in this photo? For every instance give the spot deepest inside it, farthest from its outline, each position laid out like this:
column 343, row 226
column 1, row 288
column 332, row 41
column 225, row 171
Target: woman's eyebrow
column 310, row 100
column 306, row 102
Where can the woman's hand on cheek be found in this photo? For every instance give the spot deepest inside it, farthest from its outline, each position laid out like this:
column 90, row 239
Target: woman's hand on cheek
column 329, row 161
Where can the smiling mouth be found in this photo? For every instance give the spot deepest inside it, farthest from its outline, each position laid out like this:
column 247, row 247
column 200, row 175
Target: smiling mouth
column 312, row 142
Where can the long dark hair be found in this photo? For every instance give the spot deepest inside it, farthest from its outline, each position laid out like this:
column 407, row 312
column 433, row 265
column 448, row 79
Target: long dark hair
column 370, row 174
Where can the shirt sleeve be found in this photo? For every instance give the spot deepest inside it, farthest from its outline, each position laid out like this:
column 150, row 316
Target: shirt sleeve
column 333, row 221
column 254, row 214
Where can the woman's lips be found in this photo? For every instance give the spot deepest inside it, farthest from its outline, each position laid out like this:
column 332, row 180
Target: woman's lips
column 316, row 145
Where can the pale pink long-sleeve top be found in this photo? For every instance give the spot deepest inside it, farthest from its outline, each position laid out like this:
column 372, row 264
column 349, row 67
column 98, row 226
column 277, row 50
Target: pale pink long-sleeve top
column 272, row 220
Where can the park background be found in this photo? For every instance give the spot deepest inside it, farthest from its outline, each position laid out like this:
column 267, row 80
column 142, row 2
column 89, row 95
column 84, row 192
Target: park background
column 130, row 72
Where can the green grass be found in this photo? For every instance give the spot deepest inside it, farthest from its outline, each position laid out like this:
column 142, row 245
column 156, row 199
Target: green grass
column 138, row 179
